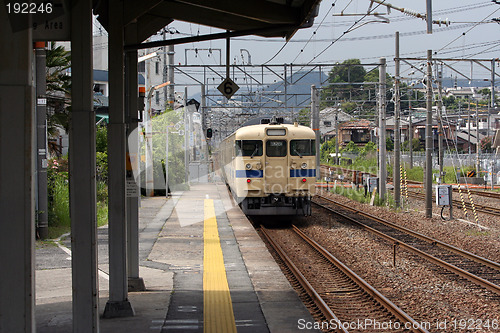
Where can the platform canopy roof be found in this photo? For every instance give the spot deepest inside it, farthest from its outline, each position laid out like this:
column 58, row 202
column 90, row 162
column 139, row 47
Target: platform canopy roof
column 267, row 18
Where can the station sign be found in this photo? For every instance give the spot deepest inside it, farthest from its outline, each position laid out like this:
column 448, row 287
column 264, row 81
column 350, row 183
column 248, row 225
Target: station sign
column 228, row 88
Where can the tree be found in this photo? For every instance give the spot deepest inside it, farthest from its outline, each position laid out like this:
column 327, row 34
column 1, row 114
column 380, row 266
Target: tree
column 486, row 144
column 350, row 71
column 345, row 88
column 58, row 61
column 305, row 117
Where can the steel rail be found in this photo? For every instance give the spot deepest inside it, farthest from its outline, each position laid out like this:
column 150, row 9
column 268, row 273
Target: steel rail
column 495, row 195
column 446, row 246
column 318, row 300
column 385, row 302
column 469, row 255
column 452, row 268
column 457, row 203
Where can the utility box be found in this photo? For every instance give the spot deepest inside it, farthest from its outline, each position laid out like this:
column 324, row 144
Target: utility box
column 443, row 195
column 372, row 183
column 365, row 178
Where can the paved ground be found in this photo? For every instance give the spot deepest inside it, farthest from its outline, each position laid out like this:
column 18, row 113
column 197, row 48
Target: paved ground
column 171, row 260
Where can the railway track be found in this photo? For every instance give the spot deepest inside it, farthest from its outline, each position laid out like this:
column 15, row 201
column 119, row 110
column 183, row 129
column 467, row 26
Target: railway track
column 478, row 270
column 488, row 194
column 458, row 203
column 341, row 295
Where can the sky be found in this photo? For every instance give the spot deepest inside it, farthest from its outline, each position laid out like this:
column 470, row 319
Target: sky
column 471, row 33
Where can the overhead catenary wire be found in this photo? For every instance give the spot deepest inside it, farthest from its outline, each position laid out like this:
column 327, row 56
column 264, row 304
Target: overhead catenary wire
column 315, row 31
column 464, row 33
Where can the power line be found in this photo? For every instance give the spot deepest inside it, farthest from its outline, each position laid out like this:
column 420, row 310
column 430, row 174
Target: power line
column 314, row 33
column 464, row 33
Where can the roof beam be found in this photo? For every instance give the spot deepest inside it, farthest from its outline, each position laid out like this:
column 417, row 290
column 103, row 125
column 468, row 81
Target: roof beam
column 148, row 25
column 185, row 40
column 258, row 10
column 134, row 9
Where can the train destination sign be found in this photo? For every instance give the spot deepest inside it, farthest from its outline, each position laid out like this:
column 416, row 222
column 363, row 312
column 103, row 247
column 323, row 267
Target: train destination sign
column 228, row 88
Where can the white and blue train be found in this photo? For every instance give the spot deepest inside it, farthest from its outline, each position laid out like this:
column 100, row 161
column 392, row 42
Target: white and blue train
column 270, row 168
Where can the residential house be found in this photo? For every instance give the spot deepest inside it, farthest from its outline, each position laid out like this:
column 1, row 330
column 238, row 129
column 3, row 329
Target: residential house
column 357, row 131
column 328, row 117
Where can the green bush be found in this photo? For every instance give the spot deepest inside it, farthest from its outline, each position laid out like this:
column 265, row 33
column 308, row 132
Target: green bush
column 102, row 191
column 102, row 213
column 59, row 205
column 101, row 139
column 101, row 166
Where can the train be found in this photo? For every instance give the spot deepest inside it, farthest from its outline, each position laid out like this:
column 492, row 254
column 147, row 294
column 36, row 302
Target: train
column 270, row 167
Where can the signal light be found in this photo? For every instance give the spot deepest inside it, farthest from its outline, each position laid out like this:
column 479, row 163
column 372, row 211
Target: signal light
column 248, row 181
column 209, row 133
column 304, row 180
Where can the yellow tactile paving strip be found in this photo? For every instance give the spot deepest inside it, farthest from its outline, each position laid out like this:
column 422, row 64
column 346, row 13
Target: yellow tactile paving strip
column 218, row 313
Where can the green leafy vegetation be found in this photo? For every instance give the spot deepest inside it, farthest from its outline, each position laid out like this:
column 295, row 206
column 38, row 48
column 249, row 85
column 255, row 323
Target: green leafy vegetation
column 58, row 189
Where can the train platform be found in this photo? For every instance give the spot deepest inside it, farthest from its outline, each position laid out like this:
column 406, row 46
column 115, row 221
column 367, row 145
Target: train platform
column 204, row 267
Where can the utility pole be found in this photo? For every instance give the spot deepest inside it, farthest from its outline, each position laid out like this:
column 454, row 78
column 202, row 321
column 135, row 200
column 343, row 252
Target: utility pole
column 440, row 127
column 315, row 123
column 410, row 132
column 337, row 159
column 186, row 137
column 397, row 134
column 41, row 164
column 429, row 143
column 171, row 87
column 382, row 170
column 477, row 139
column 165, row 69
column 468, row 130
column 429, row 16
column 493, row 84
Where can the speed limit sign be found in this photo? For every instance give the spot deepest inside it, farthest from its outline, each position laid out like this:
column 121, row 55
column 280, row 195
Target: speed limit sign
column 228, row 88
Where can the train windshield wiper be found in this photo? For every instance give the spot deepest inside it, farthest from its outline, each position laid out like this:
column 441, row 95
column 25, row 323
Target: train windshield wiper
column 254, row 152
column 295, row 150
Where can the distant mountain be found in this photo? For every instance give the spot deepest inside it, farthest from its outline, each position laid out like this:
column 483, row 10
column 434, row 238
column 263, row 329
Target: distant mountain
column 298, row 89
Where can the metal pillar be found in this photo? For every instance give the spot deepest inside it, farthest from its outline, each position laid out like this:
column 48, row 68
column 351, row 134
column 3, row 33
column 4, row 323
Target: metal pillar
column 440, row 128
column 410, row 132
column 397, row 134
column 429, row 16
column 135, row 282
column 118, row 304
column 203, row 108
column 382, row 170
column 41, row 123
column 187, row 132
column 478, row 145
column 17, row 128
column 468, row 131
column 82, row 163
column 337, row 159
column 493, row 83
column 315, row 123
column 171, row 87
column 428, row 140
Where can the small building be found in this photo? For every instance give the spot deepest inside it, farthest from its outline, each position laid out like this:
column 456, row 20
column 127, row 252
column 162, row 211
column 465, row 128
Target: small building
column 327, row 119
column 357, row 131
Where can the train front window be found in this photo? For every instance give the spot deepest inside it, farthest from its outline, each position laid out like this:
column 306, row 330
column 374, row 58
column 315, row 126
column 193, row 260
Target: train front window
column 302, row 148
column 248, row 148
column 276, row 148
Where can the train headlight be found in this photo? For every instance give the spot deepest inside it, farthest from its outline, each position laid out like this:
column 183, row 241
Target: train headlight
column 304, row 180
column 248, row 181
column 248, row 166
column 303, row 165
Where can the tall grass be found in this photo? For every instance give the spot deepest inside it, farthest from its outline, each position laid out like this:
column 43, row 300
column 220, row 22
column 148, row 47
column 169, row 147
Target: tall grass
column 60, row 203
